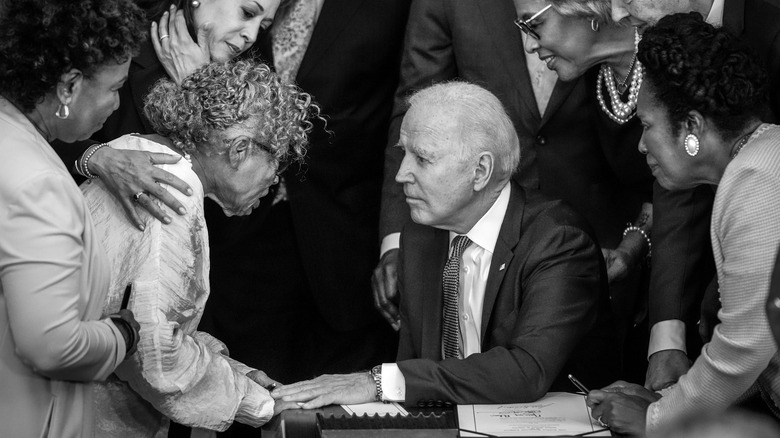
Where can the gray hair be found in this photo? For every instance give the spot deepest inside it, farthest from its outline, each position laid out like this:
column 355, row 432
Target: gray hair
column 483, row 121
column 600, row 10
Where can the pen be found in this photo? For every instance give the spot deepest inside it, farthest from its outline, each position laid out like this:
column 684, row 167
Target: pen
column 578, row 384
column 126, row 296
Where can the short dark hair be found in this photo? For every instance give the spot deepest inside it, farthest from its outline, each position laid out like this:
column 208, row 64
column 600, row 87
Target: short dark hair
column 692, row 65
column 40, row 40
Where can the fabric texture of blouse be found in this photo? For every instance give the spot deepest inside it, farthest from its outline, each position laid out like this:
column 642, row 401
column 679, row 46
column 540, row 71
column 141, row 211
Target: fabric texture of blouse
column 177, row 372
column 742, row 357
column 53, row 282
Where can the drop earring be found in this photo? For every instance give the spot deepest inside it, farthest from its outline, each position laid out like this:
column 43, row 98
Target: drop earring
column 62, row 111
column 195, row 4
column 691, row 145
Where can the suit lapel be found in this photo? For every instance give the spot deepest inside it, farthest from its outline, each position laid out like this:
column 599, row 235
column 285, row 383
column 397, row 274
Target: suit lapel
column 497, row 16
column 508, row 238
column 333, row 19
column 435, row 249
column 734, row 16
column 558, row 96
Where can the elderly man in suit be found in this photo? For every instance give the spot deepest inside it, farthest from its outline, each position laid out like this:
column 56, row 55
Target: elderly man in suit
column 503, row 290
column 682, row 288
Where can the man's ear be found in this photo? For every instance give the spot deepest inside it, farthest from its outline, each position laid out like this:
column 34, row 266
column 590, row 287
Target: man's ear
column 484, row 170
column 238, row 152
column 70, row 86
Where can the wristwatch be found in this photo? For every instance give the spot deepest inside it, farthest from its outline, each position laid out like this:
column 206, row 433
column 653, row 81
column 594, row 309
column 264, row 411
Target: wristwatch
column 376, row 374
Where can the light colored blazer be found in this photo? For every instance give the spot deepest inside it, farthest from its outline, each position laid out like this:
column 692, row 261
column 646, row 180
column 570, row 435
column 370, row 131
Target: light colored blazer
column 742, row 354
column 53, row 281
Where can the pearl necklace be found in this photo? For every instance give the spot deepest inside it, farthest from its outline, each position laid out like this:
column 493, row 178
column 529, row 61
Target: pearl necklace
column 621, row 112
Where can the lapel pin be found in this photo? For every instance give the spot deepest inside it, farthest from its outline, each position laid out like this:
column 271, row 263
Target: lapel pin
column 501, row 268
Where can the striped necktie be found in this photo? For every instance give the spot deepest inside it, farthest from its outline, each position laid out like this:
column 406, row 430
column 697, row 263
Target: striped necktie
column 451, row 284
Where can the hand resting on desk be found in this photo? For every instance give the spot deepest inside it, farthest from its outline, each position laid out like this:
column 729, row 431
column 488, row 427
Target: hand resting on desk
column 328, row 389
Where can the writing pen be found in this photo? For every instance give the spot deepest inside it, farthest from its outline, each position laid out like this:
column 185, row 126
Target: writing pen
column 578, row 384
column 126, row 296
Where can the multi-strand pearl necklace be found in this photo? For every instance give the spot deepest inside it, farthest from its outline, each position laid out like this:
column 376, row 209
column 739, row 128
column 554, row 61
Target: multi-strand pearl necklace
column 621, row 112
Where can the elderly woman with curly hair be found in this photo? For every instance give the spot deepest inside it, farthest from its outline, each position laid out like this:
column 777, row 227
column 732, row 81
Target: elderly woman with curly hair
column 701, row 105
column 235, row 124
column 61, row 64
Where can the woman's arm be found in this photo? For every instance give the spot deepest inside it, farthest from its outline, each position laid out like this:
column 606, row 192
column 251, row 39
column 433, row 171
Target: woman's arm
column 635, row 244
column 42, row 241
column 745, row 242
column 179, row 371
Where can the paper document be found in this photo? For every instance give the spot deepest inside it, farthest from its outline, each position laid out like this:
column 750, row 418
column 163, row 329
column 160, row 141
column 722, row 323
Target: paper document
column 375, row 408
column 557, row 413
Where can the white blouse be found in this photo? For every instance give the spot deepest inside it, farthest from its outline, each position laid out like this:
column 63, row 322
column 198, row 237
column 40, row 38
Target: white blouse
column 177, row 372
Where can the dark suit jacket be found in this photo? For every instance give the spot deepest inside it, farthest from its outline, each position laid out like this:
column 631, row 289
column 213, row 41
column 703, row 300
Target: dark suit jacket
column 351, row 69
column 545, row 314
column 476, row 40
column 683, row 267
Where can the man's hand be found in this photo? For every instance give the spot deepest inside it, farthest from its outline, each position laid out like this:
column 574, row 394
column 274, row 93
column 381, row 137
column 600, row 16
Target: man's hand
column 329, row 389
column 128, row 172
column 178, row 53
column 621, row 412
column 665, row 368
column 280, row 406
column 384, row 283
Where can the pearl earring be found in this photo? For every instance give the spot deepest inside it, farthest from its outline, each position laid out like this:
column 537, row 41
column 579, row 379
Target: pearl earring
column 195, row 4
column 692, row 145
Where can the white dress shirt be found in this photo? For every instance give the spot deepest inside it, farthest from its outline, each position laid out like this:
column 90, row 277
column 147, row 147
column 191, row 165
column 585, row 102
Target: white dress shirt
column 474, row 269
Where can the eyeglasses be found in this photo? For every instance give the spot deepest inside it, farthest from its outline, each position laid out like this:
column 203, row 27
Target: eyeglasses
column 527, row 27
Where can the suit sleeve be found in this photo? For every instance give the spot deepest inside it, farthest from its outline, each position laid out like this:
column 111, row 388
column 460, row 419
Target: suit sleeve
column 427, row 58
column 682, row 264
column 556, row 290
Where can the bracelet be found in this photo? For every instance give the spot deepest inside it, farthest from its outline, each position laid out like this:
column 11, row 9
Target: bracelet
column 376, row 374
column 82, row 164
column 132, row 338
column 631, row 228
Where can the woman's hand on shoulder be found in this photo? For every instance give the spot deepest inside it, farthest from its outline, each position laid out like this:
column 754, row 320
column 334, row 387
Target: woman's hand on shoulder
column 177, row 52
column 134, row 180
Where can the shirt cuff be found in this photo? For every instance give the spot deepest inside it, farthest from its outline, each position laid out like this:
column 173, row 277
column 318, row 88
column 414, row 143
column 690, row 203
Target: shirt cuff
column 391, row 241
column 393, row 383
column 256, row 407
column 667, row 335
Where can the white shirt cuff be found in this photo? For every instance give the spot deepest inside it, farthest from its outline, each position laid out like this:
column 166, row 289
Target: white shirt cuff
column 667, row 335
column 391, row 241
column 393, row 383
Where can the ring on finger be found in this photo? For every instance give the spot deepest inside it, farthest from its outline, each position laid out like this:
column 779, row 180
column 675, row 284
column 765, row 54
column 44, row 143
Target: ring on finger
column 137, row 196
column 164, row 37
column 602, row 422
